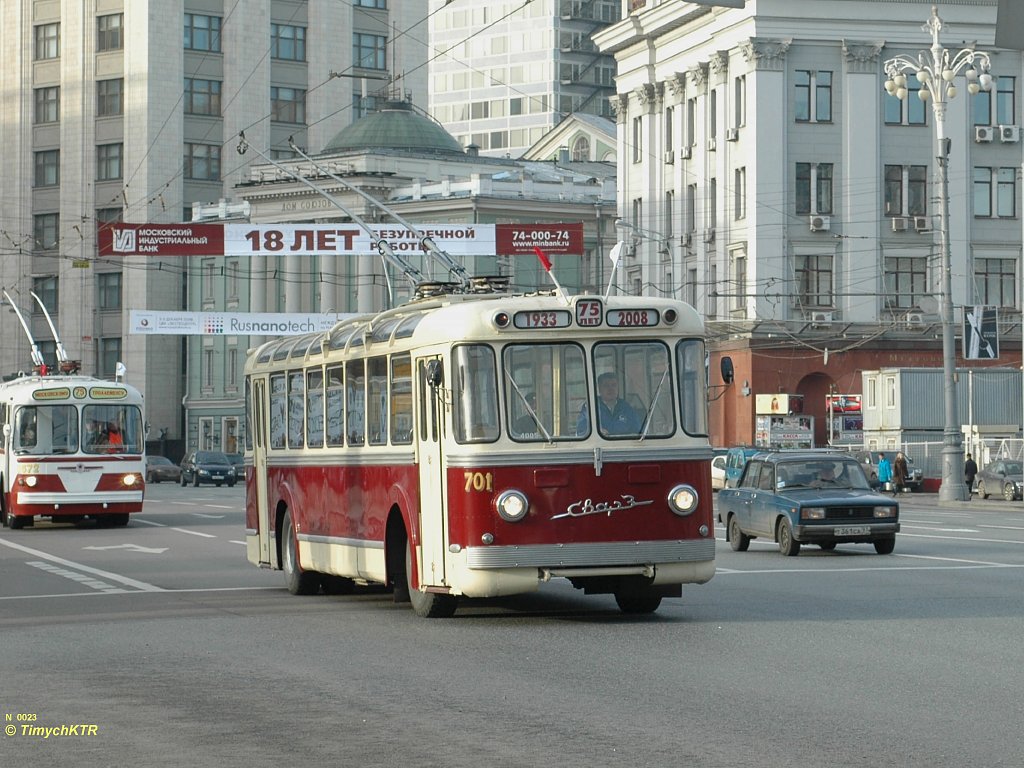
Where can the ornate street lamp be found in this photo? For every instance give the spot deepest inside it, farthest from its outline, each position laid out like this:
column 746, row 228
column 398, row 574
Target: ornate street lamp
column 935, row 70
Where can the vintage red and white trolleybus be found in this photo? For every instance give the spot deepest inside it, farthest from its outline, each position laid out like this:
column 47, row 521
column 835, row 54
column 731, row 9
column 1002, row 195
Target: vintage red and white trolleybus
column 446, row 447
column 72, row 448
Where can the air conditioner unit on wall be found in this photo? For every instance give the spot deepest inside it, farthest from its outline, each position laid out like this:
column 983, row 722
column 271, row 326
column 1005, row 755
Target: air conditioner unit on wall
column 914, row 319
column 820, row 223
column 983, row 133
column 712, row 145
column 732, row 134
column 709, row 235
column 686, row 152
column 687, row 239
column 899, row 224
column 821, row 319
column 923, row 223
column 1009, row 134
column 670, row 157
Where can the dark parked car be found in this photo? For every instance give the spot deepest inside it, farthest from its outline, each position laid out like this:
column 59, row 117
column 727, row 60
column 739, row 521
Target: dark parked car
column 807, row 498
column 159, row 468
column 200, row 467
column 237, row 461
column 1002, row 477
column 869, row 463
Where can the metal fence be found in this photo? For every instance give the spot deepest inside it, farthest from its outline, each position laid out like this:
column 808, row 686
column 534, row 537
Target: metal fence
column 928, row 456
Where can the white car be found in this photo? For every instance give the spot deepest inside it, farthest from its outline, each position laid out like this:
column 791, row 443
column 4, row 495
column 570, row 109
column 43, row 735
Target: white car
column 718, row 469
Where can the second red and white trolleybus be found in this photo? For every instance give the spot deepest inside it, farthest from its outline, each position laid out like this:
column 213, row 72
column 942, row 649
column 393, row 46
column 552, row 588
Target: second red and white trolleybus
column 479, row 445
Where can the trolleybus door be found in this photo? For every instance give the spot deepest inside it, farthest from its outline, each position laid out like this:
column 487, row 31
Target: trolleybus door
column 259, row 413
column 430, row 438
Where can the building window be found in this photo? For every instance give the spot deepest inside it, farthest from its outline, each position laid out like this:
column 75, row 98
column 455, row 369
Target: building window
column 287, row 42
column 691, row 123
column 713, row 115
column 108, row 162
column 908, row 183
column 691, row 208
column 110, row 97
column 47, row 105
column 995, row 192
column 813, row 188
column 110, row 32
column 995, row 282
column 813, row 102
column 287, row 105
column 202, row 162
column 739, row 277
column 363, row 106
column 581, row 150
column 638, row 139
column 740, row 193
column 202, row 33
column 371, row 3
column 740, row 101
column 909, row 111
column 46, row 230
column 996, row 107
column 670, row 214
column 906, row 281
column 207, row 280
column 47, row 41
column 108, row 290
column 47, row 168
column 231, row 369
column 814, row 280
column 111, row 215
column 202, row 97
column 669, row 128
column 369, row 51
column 232, row 279
column 46, row 288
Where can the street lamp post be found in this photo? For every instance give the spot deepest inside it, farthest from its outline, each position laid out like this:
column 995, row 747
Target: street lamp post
column 935, row 70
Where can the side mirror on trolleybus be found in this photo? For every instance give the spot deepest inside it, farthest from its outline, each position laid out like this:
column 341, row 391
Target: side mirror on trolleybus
column 435, row 374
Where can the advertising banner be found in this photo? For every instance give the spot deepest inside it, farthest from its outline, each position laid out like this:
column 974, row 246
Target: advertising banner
column 160, row 239
column 170, row 323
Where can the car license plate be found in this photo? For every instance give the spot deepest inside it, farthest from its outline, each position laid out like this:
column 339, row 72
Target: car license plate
column 852, row 531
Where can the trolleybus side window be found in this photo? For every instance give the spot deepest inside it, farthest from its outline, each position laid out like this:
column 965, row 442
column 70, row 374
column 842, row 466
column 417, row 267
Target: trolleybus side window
column 401, row 399
column 693, row 393
column 475, row 394
column 315, row 407
column 551, row 379
column 377, row 400
column 278, row 409
column 249, row 426
column 355, row 388
column 296, row 408
column 335, row 405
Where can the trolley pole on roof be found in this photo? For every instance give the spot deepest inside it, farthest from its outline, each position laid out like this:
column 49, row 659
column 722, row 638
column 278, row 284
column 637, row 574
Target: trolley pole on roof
column 62, row 355
column 412, row 274
column 37, row 356
column 428, row 245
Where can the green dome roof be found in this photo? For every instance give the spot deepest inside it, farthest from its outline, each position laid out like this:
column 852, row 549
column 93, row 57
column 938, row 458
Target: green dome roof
column 395, row 126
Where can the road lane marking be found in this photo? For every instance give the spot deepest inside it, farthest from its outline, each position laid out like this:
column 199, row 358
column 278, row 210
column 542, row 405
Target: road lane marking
column 956, row 560
column 220, row 506
column 1004, row 527
column 139, row 585
column 81, row 578
column 940, row 530
column 131, row 592
column 235, row 541
column 149, row 522
column 865, row 569
column 194, row 533
column 208, row 517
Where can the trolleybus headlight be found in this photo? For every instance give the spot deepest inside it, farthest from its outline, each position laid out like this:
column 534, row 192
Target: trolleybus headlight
column 130, row 479
column 682, row 499
column 30, row 481
column 670, row 316
column 512, row 506
column 501, row 320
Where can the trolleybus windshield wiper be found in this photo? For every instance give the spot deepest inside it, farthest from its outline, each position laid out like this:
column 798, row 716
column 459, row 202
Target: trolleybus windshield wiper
column 654, row 400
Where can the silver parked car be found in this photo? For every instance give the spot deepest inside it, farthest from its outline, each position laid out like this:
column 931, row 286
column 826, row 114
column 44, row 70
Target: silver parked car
column 1001, row 477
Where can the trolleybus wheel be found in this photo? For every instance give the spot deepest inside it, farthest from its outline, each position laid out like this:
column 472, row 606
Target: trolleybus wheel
column 119, row 520
column 14, row 521
column 429, row 605
column 638, row 600
column 738, row 540
column 299, row 582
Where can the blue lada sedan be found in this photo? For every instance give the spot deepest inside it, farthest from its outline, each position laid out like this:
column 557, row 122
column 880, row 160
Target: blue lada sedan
column 799, row 498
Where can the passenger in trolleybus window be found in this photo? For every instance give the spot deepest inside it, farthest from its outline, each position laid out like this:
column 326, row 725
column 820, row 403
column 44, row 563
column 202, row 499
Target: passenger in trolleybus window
column 614, row 415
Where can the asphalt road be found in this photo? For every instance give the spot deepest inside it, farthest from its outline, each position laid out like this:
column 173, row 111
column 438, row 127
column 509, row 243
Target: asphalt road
column 180, row 653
